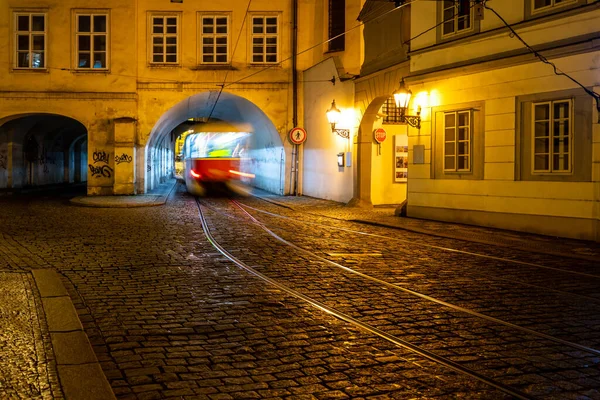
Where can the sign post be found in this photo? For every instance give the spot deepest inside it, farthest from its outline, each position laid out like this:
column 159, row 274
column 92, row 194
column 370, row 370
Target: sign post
column 297, row 136
column 379, row 135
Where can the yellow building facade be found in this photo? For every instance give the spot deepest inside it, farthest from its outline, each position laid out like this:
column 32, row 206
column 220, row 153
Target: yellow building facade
column 114, row 80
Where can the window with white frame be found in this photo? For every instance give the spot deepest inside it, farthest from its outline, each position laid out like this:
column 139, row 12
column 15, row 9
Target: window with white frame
column 265, row 32
column 30, row 40
column 215, row 39
column 91, row 40
column 457, row 17
column 457, row 141
column 552, row 142
column 542, row 5
column 164, row 34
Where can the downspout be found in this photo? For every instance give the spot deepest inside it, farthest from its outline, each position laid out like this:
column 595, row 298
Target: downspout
column 295, row 88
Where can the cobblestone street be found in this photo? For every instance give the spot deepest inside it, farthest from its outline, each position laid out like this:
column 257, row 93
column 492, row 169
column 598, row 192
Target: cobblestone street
column 169, row 316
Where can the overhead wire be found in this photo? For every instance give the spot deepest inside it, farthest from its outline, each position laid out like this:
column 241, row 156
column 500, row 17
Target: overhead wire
column 232, row 54
column 541, row 57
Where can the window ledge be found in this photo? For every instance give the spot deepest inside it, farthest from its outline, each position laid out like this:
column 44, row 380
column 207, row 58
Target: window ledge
column 31, row 70
column 211, row 67
column 90, row 71
column 158, row 66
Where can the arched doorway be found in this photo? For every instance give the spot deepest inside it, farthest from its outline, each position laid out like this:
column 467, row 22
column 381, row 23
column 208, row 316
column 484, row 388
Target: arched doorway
column 41, row 150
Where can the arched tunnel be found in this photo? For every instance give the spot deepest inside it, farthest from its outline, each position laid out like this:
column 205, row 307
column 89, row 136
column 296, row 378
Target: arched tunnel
column 39, row 150
column 266, row 151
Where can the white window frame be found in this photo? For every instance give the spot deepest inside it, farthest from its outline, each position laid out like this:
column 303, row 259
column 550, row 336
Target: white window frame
column 553, row 4
column 92, row 35
column 214, row 35
column 265, row 36
column 455, row 20
column 456, row 141
column 31, row 34
column 164, row 36
column 550, row 137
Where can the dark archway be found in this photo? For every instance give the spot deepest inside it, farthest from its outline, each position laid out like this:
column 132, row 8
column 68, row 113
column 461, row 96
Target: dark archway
column 39, row 150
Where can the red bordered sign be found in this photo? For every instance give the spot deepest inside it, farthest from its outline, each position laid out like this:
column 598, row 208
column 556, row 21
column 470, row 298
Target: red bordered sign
column 379, row 134
column 297, row 135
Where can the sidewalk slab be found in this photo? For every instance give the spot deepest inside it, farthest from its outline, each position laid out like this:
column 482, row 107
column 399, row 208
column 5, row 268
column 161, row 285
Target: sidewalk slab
column 79, row 371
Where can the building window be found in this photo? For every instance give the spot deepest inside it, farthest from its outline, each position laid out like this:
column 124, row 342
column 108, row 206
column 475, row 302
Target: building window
column 552, row 141
column 337, row 24
column 543, row 5
column 91, row 38
column 457, row 17
column 264, row 39
column 164, row 35
column 30, row 39
column 457, row 141
column 391, row 113
column 215, row 39
column 554, row 137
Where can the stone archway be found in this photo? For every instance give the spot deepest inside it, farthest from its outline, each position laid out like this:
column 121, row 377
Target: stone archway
column 266, row 147
column 35, row 149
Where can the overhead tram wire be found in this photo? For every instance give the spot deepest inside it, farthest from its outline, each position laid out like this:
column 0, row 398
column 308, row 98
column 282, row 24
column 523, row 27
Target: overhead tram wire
column 232, row 54
column 542, row 58
column 344, row 33
column 323, row 42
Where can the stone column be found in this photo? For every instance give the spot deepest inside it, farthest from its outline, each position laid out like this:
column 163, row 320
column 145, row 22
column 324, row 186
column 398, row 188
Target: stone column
column 125, row 171
column 15, row 161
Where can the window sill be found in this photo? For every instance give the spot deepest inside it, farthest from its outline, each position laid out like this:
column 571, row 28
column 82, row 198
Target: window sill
column 159, row 66
column 30, row 70
column 90, row 71
column 213, row 67
column 264, row 65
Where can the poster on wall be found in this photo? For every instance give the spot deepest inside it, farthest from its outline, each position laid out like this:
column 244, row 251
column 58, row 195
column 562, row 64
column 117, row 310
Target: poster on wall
column 400, row 160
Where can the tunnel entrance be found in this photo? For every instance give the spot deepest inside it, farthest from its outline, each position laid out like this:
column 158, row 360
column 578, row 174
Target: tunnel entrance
column 42, row 150
column 266, row 150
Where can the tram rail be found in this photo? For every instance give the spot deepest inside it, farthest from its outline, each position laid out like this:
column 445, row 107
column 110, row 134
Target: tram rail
column 589, row 354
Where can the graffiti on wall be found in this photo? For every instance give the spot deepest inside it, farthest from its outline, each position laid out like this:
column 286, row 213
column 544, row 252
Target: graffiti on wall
column 123, row 158
column 44, row 160
column 102, row 170
column 3, row 161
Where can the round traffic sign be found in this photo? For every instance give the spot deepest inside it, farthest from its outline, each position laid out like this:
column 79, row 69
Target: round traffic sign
column 297, row 135
column 379, row 134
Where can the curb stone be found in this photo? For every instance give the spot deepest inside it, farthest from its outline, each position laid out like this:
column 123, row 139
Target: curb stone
column 79, row 371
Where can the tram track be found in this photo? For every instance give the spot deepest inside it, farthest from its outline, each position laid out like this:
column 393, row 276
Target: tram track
column 436, row 247
column 384, row 332
column 471, row 273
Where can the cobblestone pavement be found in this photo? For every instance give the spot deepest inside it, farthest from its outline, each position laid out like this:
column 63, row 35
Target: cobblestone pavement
column 170, row 317
column 27, row 370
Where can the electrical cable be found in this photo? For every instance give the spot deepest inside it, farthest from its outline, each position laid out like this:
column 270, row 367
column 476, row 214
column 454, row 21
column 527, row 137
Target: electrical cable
column 232, row 54
column 542, row 58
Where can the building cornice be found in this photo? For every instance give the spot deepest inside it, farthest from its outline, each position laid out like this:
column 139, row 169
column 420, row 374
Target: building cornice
column 563, row 48
column 67, row 95
column 496, row 31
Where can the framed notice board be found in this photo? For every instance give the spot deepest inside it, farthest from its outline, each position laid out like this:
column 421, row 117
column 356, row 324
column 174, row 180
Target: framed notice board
column 400, row 160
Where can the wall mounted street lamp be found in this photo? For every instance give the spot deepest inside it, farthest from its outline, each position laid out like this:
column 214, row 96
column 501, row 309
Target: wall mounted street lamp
column 402, row 98
column 333, row 116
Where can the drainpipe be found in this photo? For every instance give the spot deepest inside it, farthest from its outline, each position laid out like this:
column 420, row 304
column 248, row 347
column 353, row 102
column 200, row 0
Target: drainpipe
column 295, row 88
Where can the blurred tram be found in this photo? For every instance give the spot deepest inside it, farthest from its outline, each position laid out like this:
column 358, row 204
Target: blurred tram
column 214, row 160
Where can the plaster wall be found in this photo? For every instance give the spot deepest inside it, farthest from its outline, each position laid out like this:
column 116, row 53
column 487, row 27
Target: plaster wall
column 494, row 37
column 525, row 205
column 384, row 188
column 60, row 74
column 321, row 176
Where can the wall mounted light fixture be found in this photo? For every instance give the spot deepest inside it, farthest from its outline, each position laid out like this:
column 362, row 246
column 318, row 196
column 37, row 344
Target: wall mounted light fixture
column 333, row 116
column 402, row 98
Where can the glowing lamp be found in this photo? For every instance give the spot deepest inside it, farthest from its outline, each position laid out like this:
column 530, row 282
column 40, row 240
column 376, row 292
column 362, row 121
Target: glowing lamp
column 333, row 116
column 402, row 98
